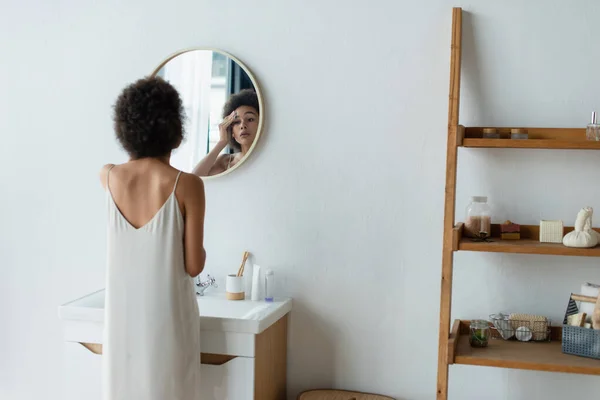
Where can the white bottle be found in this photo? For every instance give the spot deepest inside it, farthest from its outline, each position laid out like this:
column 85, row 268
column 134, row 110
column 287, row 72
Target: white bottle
column 255, row 296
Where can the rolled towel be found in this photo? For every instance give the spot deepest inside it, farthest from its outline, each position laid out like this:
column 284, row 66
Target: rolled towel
column 592, row 290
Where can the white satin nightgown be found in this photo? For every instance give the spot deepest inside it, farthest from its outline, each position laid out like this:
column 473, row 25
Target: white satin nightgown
column 152, row 325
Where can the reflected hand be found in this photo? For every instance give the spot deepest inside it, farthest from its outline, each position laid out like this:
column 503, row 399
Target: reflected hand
column 223, row 126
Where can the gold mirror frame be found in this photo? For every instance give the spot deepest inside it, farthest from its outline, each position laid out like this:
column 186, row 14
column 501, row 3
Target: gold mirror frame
column 258, row 94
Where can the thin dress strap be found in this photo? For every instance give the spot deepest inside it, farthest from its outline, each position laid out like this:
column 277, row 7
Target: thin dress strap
column 108, row 177
column 176, row 181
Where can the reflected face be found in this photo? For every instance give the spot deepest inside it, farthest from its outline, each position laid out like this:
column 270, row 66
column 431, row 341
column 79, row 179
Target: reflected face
column 245, row 125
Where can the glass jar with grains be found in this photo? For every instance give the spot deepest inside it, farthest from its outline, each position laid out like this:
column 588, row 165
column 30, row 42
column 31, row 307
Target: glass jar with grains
column 478, row 223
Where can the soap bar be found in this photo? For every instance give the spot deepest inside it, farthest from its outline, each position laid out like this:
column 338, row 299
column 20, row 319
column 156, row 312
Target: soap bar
column 510, row 231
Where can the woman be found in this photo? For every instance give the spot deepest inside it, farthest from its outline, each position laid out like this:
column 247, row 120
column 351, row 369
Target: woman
column 238, row 129
column 155, row 248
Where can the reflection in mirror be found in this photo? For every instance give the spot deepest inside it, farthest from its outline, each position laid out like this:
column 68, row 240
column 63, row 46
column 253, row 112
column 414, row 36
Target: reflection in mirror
column 223, row 111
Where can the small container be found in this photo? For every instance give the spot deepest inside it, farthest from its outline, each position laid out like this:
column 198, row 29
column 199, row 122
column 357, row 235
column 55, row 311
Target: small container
column 491, row 133
column 479, row 333
column 523, row 334
column 234, row 287
column 502, row 325
column 478, row 222
column 584, row 342
column 255, row 294
column 269, row 284
column 518, row 133
column 592, row 131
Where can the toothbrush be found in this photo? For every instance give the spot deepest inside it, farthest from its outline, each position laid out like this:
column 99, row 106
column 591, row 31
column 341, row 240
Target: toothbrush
column 241, row 270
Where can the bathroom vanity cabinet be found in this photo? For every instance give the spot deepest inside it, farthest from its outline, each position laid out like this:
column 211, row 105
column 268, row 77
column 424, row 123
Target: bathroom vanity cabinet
column 244, row 343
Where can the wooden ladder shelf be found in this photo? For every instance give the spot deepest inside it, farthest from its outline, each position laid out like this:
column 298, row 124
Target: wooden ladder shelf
column 454, row 346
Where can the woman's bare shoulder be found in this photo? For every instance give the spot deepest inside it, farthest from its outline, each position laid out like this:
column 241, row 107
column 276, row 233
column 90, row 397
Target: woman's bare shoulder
column 191, row 184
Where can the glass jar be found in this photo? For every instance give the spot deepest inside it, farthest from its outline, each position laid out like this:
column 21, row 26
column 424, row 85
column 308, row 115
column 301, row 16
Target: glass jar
column 480, row 333
column 478, row 223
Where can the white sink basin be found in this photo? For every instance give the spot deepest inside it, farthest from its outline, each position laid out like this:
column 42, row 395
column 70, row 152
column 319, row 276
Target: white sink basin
column 216, row 312
column 214, row 305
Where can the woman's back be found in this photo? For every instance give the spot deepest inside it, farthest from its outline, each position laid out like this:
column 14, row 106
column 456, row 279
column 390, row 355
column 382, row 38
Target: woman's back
column 155, row 247
column 140, row 188
column 152, row 323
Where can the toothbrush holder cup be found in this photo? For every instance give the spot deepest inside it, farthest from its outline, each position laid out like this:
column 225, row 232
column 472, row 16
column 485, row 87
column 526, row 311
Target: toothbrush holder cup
column 234, row 287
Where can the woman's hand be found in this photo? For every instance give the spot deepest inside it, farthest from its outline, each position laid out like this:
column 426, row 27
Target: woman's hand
column 207, row 166
column 223, row 126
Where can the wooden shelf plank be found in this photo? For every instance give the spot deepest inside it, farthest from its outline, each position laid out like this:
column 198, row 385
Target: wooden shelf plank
column 546, row 356
column 530, row 144
column 529, row 244
column 539, row 138
column 526, row 246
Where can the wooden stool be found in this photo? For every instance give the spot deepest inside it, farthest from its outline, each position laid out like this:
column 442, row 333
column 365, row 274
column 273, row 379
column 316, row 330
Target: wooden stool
column 331, row 394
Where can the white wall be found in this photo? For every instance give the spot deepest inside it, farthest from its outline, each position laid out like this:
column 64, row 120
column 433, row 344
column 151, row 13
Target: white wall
column 344, row 197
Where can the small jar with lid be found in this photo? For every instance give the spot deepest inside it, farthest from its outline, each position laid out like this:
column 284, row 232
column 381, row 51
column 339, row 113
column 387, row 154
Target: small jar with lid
column 519, row 133
column 479, row 333
column 491, row 133
column 478, row 222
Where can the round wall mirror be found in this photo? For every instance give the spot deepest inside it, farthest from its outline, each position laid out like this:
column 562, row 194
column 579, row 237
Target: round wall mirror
column 223, row 107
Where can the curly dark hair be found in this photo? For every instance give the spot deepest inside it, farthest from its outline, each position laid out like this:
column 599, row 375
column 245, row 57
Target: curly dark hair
column 245, row 97
column 148, row 118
